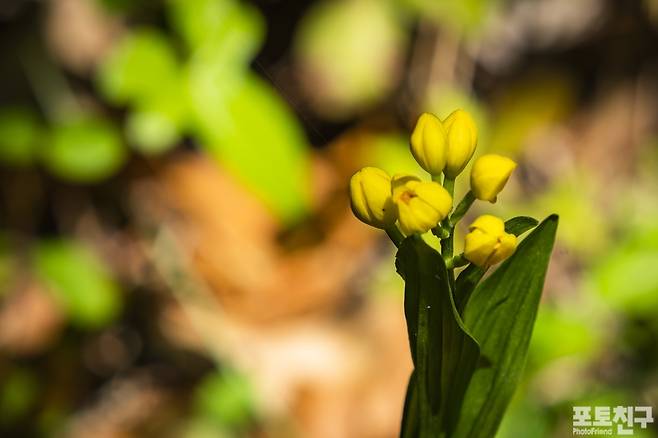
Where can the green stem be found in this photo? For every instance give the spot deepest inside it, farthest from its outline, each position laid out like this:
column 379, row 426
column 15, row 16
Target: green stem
column 449, row 185
column 447, row 244
column 395, row 235
column 457, row 262
column 462, row 208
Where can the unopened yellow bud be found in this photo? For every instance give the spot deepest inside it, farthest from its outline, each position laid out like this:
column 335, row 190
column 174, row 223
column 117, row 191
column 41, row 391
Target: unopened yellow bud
column 421, row 205
column 487, row 243
column 489, row 175
column 429, row 143
column 370, row 195
column 462, row 140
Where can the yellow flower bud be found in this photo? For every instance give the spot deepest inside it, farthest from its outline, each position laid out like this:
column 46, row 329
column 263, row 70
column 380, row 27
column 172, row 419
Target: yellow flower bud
column 487, row 243
column 428, row 143
column 370, row 195
column 489, row 175
column 462, row 137
column 421, row 205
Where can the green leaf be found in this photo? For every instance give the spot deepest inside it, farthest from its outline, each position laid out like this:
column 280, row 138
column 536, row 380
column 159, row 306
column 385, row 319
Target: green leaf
column 155, row 127
column 85, row 150
column 224, row 29
column 246, row 125
column 79, row 281
column 444, row 354
column 19, row 135
column 226, row 398
column 520, row 224
column 142, row 66
column 501, row 315
column 469, row 277
column 410, row 421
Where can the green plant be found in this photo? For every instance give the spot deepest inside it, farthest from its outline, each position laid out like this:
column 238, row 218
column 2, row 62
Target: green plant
column 468, row 335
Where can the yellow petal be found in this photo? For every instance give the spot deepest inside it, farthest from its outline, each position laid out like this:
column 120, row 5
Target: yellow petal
column 429, row 143
column 462, row 141
column 370, row 197
column 478, row 247
column 489, row 224
column 505, row 248
column 489, row 175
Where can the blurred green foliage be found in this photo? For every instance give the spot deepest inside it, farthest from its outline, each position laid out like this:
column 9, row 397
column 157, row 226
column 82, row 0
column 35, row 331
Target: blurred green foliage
column 84, row 150
column 627, row 276
column 466, row 16
column 79, row 282
column 225, row 399
column 210, row 93
column 352, row 68
column 19, row 136
column 18, row 393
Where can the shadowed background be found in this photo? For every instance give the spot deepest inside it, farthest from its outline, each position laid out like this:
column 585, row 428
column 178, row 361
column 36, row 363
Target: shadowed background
column 177, row 253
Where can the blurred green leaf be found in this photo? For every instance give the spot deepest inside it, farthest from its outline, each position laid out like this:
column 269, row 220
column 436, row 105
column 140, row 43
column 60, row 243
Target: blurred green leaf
column 79, row 281
column 249, row 128
column 17, row 394
column 391, row 153
column 224, row 29
column 7, row 266
column 501, row 315
column 84, row 150
column 152, row 132
column 583, row 220
column 578, row 335
column 626, row 277
column 225, row 398
column 156, row 127
column 19, row 136
column 349, row 52
column 461, row 16
column 525, row 419
column 530, row 105
column 142, row 67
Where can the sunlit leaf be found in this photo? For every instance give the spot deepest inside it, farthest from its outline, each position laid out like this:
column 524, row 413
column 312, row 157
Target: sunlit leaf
column 156, row 126
column 79, row 281
column 250, row 129
column 84, row 150
column 142, row 66
column 226, row 29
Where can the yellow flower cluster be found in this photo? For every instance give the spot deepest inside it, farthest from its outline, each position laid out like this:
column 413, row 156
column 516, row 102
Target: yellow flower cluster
column 379, row 201
column 414, row 206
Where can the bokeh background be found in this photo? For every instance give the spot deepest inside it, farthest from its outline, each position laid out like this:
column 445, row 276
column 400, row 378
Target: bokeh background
column 177, row 254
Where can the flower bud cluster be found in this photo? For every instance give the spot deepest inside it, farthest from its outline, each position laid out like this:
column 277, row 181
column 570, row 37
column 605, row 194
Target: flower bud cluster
column 407, row 204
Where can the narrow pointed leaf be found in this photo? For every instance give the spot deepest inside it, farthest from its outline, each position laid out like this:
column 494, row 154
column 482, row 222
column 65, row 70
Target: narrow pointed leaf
column 469, row 277
column 444, row 354
column 410, row 421
column 500, row 315
column 520, row 224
